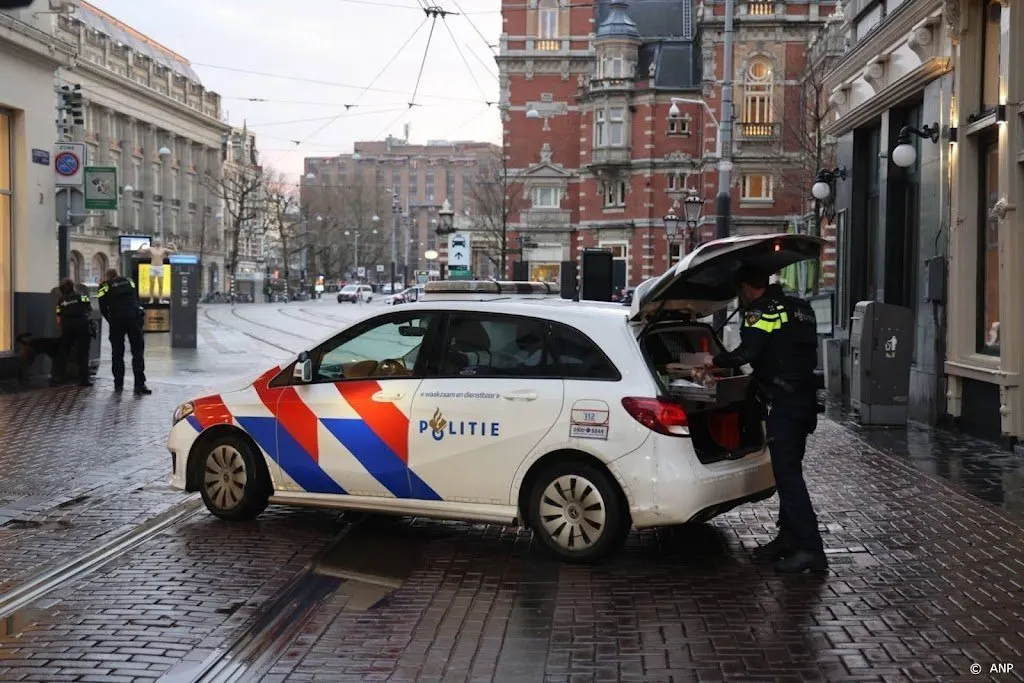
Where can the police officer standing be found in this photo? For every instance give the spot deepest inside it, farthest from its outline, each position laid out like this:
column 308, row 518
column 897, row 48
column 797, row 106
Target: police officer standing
column 119, row 304
column 779, row 340
column 73, row 311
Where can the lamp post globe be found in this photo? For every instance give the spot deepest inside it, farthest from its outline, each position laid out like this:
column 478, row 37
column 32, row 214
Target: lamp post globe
column 904, row 155
column 430, row 254
column 128, row 189
column 671, row 221
column 311, row 176
column 532, row 114
column 821, row 190
column 693, row 205
column 164, row 152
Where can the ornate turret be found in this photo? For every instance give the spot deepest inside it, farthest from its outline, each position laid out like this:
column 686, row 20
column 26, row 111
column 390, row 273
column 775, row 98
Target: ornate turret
column 618, row 24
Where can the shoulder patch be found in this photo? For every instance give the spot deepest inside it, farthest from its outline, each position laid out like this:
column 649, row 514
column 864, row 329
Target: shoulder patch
column 752, row 317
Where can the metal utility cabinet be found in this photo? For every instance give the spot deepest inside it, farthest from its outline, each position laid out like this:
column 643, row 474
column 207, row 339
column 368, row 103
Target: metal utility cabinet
column 184, row 318
column 881, row 348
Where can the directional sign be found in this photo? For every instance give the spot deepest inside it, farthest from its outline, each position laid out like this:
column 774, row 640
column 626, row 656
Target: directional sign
column 69, row 164
column 361, row 271
column 380, row 267
column 460, row 250
column 101, row 187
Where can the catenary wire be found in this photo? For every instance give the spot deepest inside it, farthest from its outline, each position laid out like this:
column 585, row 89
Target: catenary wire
column 423, row 62
column 375, row 78
column 473, row 24
column 300, row 79
column 463, row 57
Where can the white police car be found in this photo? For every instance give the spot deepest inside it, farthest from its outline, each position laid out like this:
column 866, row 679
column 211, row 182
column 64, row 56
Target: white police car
column 493, row 402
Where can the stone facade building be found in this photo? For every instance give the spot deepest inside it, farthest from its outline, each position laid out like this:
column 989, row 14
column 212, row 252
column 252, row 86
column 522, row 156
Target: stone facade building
column 587, row 91
column 141, row 98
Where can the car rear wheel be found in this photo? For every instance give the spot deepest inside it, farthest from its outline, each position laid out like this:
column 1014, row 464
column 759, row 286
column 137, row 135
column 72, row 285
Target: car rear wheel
column 577, row 513
column 233, row 486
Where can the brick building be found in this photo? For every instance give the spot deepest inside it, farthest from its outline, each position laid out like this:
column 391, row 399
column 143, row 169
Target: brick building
column 405, row 186
column 587, row 90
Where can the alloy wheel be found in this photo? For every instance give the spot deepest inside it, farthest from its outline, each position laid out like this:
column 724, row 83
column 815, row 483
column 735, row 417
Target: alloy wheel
column 573, row 512
column 225, row 477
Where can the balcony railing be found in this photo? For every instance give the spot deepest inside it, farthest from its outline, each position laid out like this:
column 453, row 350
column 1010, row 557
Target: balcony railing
column 760, row 9
column 548, row 44
column 757, row 131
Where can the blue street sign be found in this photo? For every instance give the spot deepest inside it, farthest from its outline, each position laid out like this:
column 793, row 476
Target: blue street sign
column 184, row 259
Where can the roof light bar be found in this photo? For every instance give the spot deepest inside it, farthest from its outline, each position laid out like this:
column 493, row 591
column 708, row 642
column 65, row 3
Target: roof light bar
column 489, row 287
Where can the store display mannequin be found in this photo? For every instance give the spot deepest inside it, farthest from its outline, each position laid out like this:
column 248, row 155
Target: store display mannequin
column 156, row 254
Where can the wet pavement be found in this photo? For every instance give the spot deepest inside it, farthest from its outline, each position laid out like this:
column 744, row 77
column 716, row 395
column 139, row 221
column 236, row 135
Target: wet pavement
column 924, row 530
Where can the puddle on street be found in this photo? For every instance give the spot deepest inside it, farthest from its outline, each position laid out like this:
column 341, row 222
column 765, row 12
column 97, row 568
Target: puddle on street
column 373, row 561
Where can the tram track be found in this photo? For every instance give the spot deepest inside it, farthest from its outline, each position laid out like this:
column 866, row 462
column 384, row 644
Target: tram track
column 51, row 578
column 223, row 325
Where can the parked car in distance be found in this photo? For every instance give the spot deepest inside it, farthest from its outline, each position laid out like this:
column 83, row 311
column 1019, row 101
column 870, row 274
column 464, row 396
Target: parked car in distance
column 352, row 293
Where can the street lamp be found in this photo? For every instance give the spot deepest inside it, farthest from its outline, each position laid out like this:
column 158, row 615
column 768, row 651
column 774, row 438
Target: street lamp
column 532, row 114
column 671, row 221
column 446, row 219
column 164, row 153
column 904, row 155
column 356, row 156
column 310, row 176
column 825, row 179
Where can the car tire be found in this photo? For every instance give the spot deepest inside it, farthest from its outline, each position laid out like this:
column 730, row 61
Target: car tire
column 232, row 480
column 577, row 512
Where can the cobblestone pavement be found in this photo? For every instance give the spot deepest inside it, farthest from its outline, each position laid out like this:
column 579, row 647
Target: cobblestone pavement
column 927, row 576
column 79, row 466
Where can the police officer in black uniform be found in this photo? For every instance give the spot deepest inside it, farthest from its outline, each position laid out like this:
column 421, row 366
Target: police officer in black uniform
column 73, row 311
column 779, row 340
column 119, row 304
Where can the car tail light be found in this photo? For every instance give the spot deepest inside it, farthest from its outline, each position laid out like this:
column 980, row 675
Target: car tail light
column 657, row 415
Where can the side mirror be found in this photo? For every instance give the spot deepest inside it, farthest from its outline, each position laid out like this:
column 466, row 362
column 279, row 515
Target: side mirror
column 303, row 371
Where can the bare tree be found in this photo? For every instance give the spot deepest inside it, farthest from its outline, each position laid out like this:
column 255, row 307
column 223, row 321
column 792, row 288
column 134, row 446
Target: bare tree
column 336, row 215
column 804, row 132
column 241, row 188
column 283, row 226
column 496, row 197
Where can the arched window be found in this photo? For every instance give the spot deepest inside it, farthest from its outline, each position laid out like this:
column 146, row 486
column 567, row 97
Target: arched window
column 547, row 25
column 99, row 266
column 75, row 261
column 757, row 99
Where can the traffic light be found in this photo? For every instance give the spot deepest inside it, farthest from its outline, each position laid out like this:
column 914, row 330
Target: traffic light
column 76, row 106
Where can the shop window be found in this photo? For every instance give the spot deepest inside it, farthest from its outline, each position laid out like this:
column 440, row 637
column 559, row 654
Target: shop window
column 6, row 222
column 757, row 187
column 546, row 198
column 615, row 194
column 988, row 247
column 991, row 48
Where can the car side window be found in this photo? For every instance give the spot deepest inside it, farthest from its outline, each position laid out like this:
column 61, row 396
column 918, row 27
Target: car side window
column 483, row 345
column 576, row 356
column 387, row 346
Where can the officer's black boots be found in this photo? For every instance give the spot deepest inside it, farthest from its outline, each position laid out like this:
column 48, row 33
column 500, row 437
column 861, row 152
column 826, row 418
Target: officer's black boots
column 143, row 390
column 801, row 561
column 773, row 550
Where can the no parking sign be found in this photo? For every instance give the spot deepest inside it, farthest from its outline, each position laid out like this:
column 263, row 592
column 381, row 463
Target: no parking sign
column 69, row 164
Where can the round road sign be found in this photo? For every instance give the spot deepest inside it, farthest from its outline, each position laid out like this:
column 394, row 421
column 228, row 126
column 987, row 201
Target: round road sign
column 67, row 164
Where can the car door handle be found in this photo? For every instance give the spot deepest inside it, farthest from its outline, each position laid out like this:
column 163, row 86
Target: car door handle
column 386, row 397
column 523, row 395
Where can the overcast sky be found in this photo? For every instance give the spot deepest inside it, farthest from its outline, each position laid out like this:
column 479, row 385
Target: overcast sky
column 341, row 43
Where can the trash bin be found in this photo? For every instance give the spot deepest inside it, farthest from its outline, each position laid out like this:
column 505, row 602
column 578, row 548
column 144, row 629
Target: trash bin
column 881, row 340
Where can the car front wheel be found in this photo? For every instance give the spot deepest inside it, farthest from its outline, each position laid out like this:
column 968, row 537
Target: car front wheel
column 577, row 513
column 233, row 486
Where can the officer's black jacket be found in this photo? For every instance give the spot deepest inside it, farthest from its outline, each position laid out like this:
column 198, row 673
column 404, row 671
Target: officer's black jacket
column 779, row 339
column 118, row 299
column 74, row 310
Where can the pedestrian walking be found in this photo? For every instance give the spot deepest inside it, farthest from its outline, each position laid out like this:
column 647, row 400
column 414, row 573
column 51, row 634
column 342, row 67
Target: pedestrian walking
column 119, row 304
column 73, row 311
column 778, row 338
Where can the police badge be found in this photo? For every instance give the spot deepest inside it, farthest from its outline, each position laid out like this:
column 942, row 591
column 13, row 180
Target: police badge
column 751, row 318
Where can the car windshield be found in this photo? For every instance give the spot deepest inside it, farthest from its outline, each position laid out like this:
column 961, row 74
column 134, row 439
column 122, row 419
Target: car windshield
column 350, row 288
column 394, row 341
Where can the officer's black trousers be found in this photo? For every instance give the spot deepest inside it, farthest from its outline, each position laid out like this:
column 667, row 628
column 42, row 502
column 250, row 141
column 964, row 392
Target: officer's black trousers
column 131, row 328
column 73, row 335
column 797, row 521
